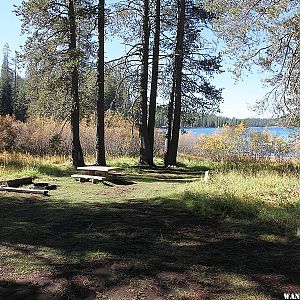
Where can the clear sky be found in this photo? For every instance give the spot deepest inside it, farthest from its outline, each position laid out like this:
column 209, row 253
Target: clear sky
column 238, row 97
column 10, row 26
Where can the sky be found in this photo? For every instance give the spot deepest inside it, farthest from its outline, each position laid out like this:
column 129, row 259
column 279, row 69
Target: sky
column 238, row 97
column 10, row 26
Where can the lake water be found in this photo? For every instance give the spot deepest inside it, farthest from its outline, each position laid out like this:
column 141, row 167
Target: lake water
column 278, row 131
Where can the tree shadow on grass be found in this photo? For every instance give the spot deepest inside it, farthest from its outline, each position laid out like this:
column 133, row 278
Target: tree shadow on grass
column 179, row 169
column 157, row 174
column 150, row 249
column 157, row 177
column 145, row 174
column 120, row 181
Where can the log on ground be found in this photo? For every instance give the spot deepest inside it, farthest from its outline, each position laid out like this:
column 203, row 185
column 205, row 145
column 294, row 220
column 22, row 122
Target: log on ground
column 17, row 182
column 23, row 190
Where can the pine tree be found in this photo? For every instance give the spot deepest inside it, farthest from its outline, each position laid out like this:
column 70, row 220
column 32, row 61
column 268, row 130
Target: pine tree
column 77, row 154
column 132, row 23
column 145, row 154
column 54, row 54
column 265, row 34
column 154, row 79
column 191, row 63
column 100, row 146
column 6, row 84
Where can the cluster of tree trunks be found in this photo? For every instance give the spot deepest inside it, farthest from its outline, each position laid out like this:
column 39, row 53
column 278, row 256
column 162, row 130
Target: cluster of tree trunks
column 60, row 48
column 147, row 122
column 174, row 113
column 69, row 25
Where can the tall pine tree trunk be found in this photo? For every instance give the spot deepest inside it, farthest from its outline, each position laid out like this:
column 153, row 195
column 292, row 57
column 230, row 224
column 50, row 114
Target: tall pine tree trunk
column 178, row 66
column 100, row 145
column 77, row 154
column 154, row 81
column 145, row 156
column 169, row 122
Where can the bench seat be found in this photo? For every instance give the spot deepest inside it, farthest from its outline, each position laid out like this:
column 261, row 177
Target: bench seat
column 84, row 177
column 115, row 174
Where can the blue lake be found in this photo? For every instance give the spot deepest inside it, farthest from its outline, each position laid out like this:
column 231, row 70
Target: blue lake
column 278, row 131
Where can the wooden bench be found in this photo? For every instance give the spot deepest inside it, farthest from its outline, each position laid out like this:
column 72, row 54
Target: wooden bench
column 84, row 177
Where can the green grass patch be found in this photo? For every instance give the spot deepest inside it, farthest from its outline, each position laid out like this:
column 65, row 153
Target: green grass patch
column 159, row 233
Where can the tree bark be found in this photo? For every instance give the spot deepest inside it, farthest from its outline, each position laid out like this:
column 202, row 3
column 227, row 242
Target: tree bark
column 145, row 157
column 100, row 144
column 169, row 121
column 77, row 154
column 178, row 65
column 154, row 82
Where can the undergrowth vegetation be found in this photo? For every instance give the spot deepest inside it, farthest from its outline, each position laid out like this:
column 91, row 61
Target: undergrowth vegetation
column 264, row 198
column 237, row 143
column 44, row 137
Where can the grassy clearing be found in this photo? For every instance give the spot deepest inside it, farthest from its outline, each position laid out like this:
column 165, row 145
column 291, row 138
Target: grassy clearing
column 160, row 234
column 263, row 198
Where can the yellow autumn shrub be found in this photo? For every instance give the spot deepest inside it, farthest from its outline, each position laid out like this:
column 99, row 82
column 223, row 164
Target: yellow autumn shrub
column 240, row 143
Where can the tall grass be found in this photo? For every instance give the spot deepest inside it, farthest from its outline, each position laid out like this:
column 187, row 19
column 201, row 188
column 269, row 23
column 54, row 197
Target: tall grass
column 262, row 199
column 13, row 164
column 46, row 136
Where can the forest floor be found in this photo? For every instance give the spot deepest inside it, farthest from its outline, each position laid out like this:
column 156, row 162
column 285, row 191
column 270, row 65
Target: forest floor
column 154, row 234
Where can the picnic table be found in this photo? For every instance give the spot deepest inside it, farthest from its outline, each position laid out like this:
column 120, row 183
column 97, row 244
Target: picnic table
column 96, row 173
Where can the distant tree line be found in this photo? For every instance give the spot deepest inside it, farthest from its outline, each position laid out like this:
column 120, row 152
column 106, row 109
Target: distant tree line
column 25, row 96
column 194, row 119
column 12, row 92
column 212, row 120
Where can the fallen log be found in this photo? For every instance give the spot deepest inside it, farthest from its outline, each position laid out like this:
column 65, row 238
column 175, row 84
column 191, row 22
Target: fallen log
column 23, row 190
column 17, row 182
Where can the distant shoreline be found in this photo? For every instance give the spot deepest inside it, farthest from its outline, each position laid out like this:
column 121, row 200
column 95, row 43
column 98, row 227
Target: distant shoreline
column 278, row 131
